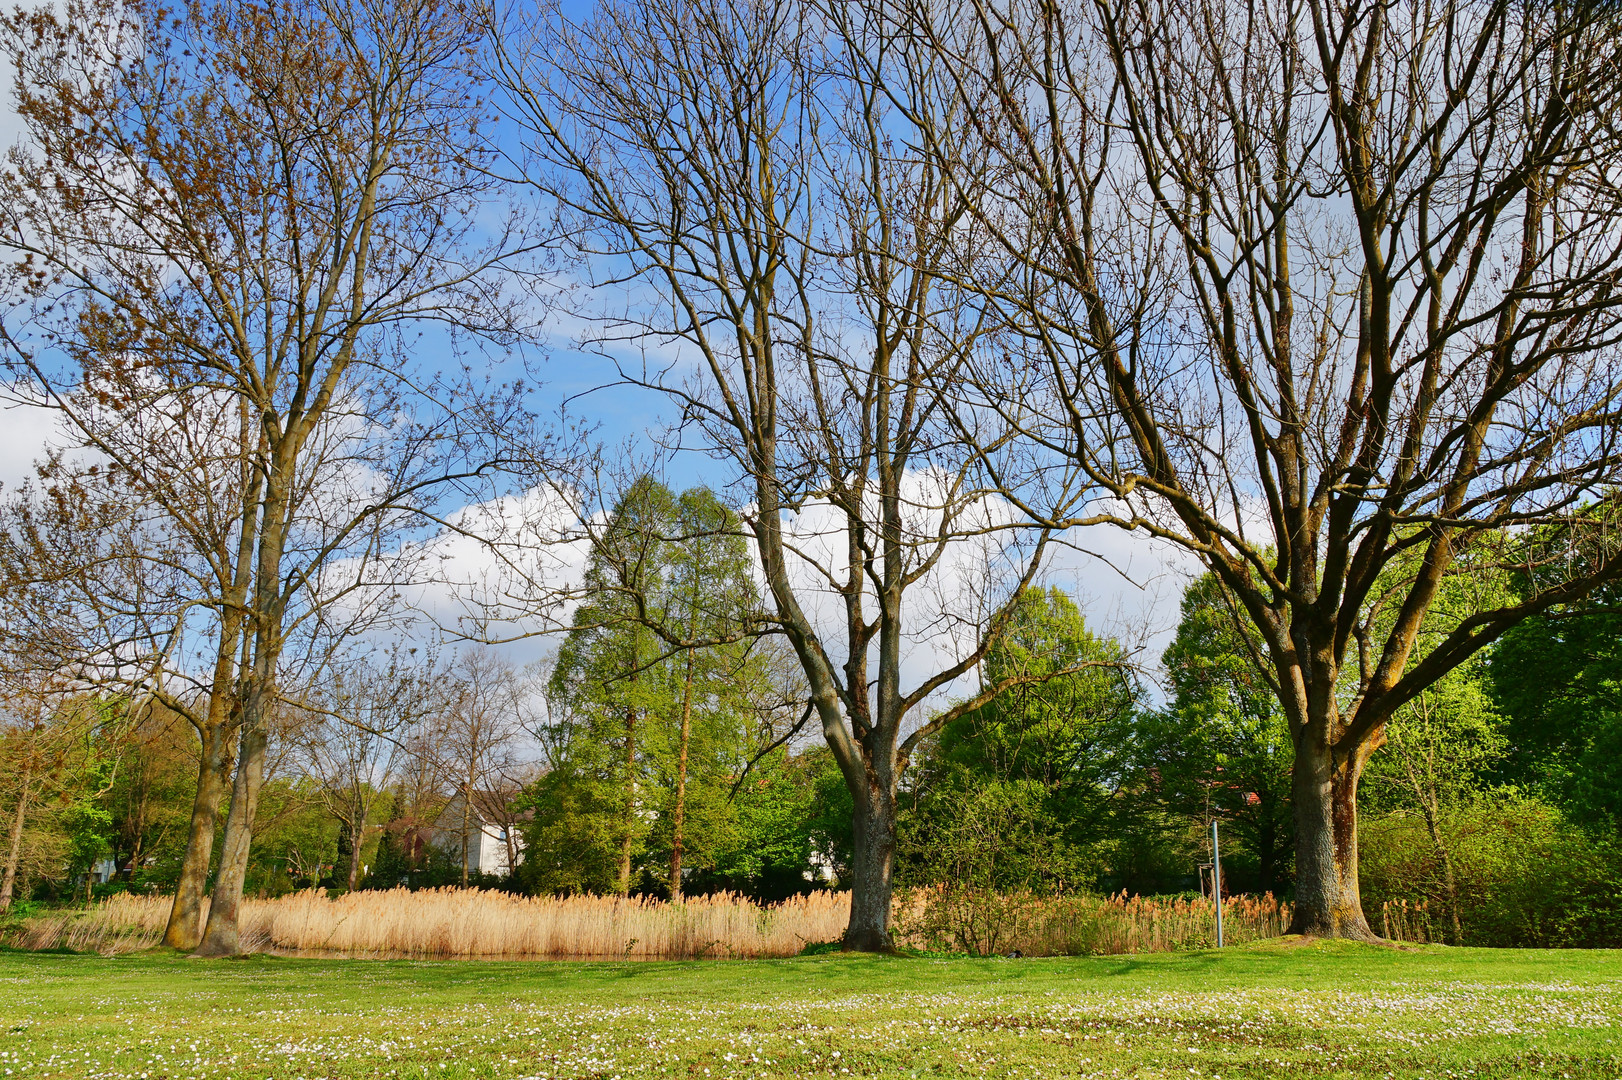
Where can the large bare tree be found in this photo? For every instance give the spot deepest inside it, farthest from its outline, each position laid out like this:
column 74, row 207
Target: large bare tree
column 122, row 567
column 1325, row 292
column 245, row 209
column 782, row 267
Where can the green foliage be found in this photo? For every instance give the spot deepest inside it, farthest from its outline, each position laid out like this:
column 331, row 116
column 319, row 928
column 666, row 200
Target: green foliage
column 295, row 839
column 1558, row 680
column 1526, row 876
column 789, row 810
column 149, row 800
column 991, row 836
column 1442, row 747
column 1220, row 748
column 1013, row 794
column 403, row 857
column 653, row 699
column 62, row 761
column 573, row 842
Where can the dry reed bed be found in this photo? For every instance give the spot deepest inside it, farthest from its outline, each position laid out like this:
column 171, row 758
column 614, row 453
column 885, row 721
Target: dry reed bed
column 1132, row 924
column 979, row 921
column 468, row 922
column 454, row 922
column 473, row 922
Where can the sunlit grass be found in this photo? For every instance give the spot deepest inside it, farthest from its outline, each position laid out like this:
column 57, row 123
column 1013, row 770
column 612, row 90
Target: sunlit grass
column 1319, row 1010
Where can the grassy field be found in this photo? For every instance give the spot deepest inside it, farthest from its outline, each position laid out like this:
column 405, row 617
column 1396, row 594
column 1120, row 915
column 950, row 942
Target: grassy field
column 1314, row 1010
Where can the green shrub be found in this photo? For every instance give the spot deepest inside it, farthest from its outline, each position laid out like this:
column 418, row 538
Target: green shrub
column 1523, row 875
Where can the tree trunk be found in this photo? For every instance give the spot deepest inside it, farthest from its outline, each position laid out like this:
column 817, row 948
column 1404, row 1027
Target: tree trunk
column 681, row 785
column 128, row 871
column 357, row 832
column 630, row 803
column 872, row 870
column 467, row 818
column 1433, row 826
column 222, row 937
column 220, row 723
column 1327, row 902
column 185, row 927
column 14, row 846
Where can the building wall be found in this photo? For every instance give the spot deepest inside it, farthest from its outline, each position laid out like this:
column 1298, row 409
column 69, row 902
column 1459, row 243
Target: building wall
column 486, row 850
column 492, row 855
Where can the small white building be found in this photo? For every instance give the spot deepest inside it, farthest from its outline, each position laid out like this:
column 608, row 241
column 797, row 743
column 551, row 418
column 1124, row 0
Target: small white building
column 494, row 845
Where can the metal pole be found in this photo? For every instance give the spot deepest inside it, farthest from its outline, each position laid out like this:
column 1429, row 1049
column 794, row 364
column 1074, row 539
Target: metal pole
column 1216, row 879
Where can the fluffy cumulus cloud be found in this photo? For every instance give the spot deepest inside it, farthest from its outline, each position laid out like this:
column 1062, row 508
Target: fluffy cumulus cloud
column 27, row 434
column 509, row 570
column 504, row 571
column 1129, row 585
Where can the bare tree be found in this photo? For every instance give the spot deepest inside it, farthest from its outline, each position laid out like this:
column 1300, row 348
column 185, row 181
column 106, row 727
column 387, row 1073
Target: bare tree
column 244, row 208
column 739, row 160
column 1319, row 292
column 476, row 745
column 128, row 575
column 365, row 714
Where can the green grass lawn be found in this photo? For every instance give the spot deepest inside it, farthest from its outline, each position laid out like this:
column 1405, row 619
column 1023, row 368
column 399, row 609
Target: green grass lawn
column 1320, row 1010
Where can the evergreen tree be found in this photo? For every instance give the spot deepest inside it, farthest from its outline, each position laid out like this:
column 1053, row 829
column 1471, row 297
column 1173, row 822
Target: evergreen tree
column 651, row 701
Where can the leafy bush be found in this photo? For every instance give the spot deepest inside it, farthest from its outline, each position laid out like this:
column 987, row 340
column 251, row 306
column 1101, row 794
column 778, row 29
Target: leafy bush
column 1523, row 874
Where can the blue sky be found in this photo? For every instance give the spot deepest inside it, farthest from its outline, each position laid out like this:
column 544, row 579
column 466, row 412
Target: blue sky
column 1139, row 605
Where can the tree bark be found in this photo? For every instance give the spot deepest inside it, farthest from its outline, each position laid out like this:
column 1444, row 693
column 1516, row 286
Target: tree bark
column 630, row 802
column 679, row 815
column 467, row 817
column 215, row 761
column 222, row 936
column 185, row 929
column 872, row 870
column 357, row 832
column 14, row 846
column 1327, row 901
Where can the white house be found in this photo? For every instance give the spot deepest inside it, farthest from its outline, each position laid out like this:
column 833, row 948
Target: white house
column 493, row 844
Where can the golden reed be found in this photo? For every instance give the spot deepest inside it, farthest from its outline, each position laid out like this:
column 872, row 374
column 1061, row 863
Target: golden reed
column 454, row 922
column 472, row 922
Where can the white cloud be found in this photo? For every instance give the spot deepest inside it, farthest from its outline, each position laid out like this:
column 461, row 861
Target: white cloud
column 27, row 432
column 491, row 572
column 503, row 571
column 1128, row 584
